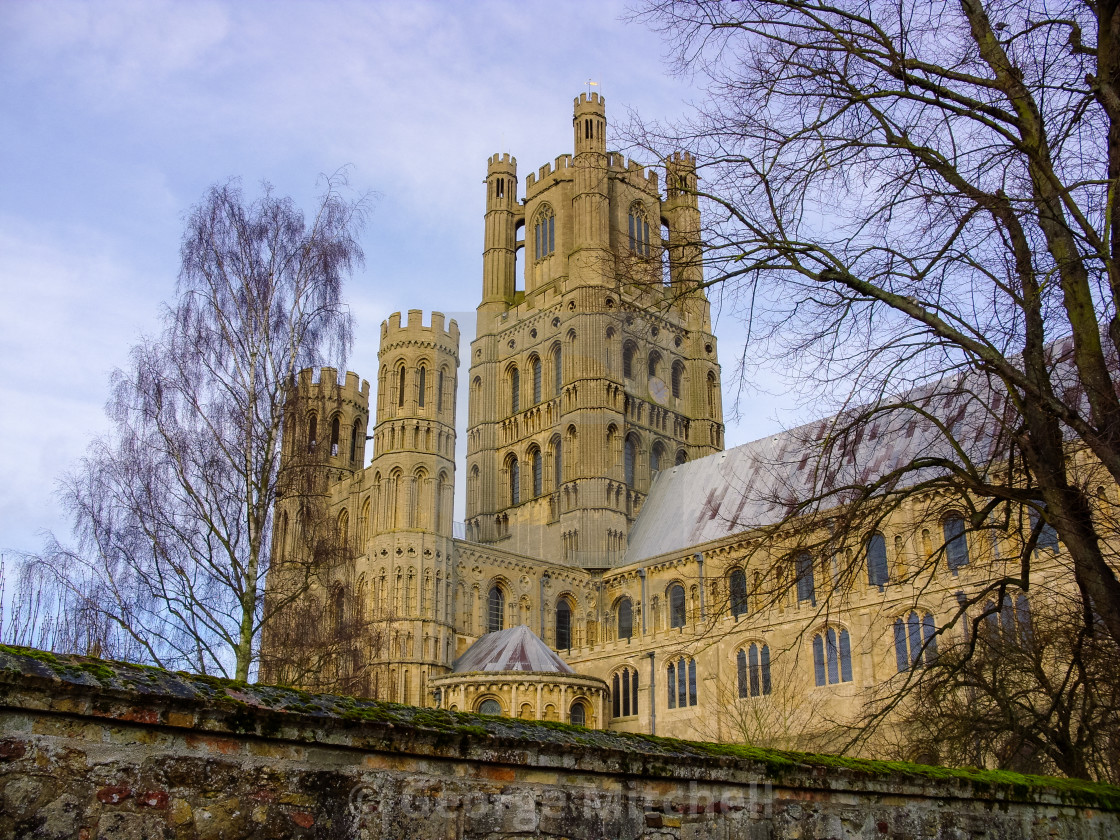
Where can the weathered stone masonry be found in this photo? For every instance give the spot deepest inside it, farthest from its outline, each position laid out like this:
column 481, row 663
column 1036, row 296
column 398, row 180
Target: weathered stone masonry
column 90, row 749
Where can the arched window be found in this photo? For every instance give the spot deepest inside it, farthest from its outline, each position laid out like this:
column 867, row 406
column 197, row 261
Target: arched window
column 514, row 481
column 956, row 544
column 544, row 233
column 563, row 625
column 335, row 429
column 557, row 463
column 678, row 375
column 557, row 370
column 911, row 637
column 656, row 456
column 625, row 619
column 339, row 608
column 535, row 369
column 681, row 458
column 629, row 350
column 630, row 457
column 422, row 386
column 578, row 715
column 514, row 391
column 538, row 473
column 624, row 693
column 400, row 386
column 676, row 605
column 806, row 586
column 490, row 706
column 753, row 667
column 497, row 610
column 832, row 657
column 877, row 560
column 312, row 432
column 681, row 683
column 737, row 584
column 713, row 390
column 638, row 229
column 439, row 391
column 354, row 441
column 653, row 364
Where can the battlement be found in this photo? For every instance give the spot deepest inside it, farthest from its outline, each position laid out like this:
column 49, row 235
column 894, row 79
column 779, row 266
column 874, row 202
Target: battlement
column 503, row 162
column 414, row 325
column 310, row 380
column 634, row 172
column 680, row 174
column 594, row 102
column 562, row 163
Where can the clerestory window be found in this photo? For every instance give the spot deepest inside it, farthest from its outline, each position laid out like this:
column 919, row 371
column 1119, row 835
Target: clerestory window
column 638, row 229
column 544, row 233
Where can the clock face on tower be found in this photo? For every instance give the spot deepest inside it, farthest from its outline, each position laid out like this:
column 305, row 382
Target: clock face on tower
column 658, row 390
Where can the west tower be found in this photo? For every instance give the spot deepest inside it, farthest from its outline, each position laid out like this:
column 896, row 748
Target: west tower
column 595, row 368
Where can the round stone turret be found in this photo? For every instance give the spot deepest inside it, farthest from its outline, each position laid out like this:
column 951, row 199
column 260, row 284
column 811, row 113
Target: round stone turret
column 414, row 437
column 499, row 255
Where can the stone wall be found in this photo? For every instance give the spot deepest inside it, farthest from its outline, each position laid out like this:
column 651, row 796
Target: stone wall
column 90, row 749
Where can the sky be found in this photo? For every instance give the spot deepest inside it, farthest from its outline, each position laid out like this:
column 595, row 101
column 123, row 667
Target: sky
column 118, row 114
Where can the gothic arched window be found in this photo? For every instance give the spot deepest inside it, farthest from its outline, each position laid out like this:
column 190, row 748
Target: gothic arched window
column 535, row 369
column 624, row 693
column 911, row 637
column 832, row 657
column 630, row 457
column 557, row 370
column 496, row 610
column 625, row 619
column 678, row 375
column 400, row 386
column 806, row 587
column 681, row 683
column 422, row 386
column 737, row 583
column 335, row 430
column 676, row 605
column 629, row 350
column 538, row 473
column 638, row 229
column 514, row 481
column 563, row 625
column 877, row 560
column 514, row 391
column 544, row 233
column 956, row 544
column 753, row 667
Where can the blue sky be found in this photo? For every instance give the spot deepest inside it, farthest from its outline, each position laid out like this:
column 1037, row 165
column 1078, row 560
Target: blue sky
column 118, row 115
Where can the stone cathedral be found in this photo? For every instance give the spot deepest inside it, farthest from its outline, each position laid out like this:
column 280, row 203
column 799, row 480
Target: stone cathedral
column 608, row 572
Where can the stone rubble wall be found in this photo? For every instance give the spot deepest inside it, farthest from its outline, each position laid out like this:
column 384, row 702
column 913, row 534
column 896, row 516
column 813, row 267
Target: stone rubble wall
column 90, row 749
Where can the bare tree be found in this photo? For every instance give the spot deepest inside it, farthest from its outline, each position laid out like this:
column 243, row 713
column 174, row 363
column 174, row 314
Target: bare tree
column 172, row 510
column 914, row 206
column 1039, row 693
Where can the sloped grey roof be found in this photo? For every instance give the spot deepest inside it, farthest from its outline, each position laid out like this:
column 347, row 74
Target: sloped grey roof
column 758, row 483
column 512, row 649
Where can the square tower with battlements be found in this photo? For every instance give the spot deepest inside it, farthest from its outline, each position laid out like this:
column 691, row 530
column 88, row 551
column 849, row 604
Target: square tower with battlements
column 594, row 365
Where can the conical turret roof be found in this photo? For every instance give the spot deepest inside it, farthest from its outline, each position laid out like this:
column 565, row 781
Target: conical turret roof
column 513, row 649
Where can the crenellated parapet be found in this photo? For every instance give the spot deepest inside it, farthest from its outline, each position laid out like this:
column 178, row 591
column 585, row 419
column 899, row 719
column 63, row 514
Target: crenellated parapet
column 414, row 333
column 325, row 422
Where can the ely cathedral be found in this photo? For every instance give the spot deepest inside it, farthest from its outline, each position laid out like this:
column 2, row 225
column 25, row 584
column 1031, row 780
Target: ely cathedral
column 616, row 567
